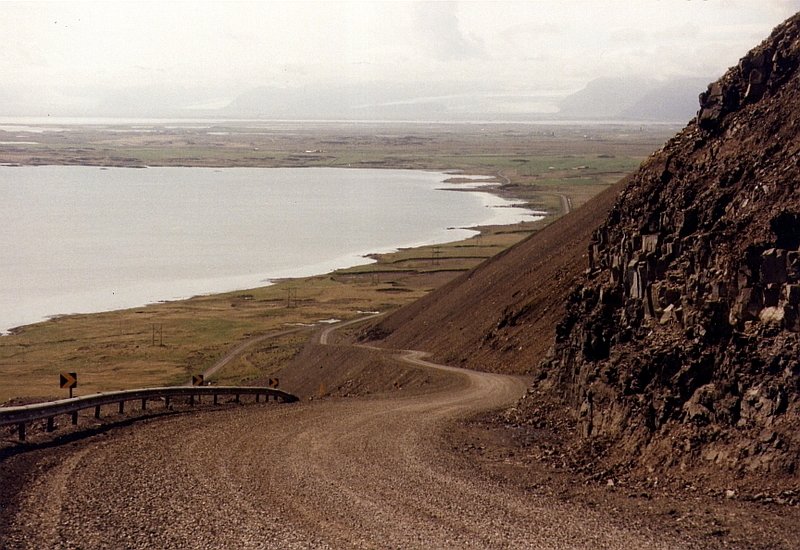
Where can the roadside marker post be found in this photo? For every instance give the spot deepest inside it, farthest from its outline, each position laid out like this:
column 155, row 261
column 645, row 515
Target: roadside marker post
column 68, row 380
column 197, row 380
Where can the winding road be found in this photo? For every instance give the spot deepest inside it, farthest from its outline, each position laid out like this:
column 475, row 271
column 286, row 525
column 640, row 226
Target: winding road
column 338, row 473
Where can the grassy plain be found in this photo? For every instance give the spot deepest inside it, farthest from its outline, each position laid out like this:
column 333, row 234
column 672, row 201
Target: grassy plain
column 165, row 343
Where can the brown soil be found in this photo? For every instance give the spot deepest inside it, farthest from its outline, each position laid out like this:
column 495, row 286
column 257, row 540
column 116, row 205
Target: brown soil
column 501, row 316
column 537, row 461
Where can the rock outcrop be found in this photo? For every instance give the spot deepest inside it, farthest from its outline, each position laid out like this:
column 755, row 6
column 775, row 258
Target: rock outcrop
column 681, row 342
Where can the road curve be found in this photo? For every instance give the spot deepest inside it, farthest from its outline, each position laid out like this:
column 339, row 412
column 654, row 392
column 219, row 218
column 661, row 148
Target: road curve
column 339, row 473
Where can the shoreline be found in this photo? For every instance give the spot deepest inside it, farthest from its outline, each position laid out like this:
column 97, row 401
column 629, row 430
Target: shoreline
column 475, row 183
column 124, row 349
column 165, row 343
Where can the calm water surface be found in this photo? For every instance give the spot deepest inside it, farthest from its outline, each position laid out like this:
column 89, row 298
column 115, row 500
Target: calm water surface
column 79, row 239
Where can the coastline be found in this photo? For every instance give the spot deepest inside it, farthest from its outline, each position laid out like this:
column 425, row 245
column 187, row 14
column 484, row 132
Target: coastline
column 164, row 343
column 479, row 183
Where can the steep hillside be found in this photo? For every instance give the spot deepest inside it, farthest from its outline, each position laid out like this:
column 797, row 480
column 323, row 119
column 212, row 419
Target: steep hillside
column 501, row 316
column 678, row 353
column 681, row 345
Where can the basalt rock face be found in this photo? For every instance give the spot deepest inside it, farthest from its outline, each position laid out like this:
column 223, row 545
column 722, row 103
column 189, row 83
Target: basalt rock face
column 681, row 343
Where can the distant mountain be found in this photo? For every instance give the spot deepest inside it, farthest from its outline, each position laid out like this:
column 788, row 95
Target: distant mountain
column 446, row 101
column 635, row 99
column 356, row 102
column 601, row 99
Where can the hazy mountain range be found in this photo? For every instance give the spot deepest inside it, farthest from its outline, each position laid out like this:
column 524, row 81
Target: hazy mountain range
column 635, row 98
column 602, row 99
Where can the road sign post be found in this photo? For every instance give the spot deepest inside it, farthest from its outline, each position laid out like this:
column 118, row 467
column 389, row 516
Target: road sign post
column 197, row 380
column 68, row 380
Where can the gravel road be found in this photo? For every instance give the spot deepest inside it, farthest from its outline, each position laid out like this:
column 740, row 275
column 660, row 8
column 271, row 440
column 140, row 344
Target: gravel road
column 338, row 473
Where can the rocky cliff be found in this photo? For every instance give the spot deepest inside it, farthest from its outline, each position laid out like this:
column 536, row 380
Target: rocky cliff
column 680, row 345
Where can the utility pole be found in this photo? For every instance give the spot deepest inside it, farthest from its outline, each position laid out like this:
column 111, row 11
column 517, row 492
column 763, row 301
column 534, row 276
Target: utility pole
column 158, row 329
column 435, row 255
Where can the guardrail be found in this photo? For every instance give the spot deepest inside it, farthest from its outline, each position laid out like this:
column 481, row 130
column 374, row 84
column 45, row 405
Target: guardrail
column 40, row 411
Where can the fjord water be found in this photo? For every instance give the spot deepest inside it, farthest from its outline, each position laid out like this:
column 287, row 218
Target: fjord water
column 78, row 239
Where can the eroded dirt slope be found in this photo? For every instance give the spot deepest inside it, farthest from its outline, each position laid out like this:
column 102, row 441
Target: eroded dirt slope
column 501, row 316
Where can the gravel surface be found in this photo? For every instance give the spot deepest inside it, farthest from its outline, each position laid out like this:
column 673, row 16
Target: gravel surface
column 339, row 473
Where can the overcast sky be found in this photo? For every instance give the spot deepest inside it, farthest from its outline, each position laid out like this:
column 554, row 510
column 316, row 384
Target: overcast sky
column 69, row 54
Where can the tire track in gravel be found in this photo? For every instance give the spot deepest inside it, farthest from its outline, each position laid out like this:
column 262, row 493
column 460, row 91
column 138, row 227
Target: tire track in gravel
column 338, row 473
column 44, row 503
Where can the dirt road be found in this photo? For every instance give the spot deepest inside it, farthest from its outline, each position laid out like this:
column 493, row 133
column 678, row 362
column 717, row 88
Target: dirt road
column 339, row 473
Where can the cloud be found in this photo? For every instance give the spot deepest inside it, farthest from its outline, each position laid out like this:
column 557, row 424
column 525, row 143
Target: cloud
column 227, row 48
column 441, row 35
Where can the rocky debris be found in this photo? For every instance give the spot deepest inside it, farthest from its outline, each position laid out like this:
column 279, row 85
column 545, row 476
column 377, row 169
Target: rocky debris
column 681, row 343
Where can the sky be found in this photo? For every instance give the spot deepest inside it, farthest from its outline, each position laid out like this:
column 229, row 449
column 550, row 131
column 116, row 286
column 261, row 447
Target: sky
column 78, row 57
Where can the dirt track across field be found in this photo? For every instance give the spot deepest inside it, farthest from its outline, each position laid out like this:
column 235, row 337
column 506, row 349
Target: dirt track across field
column 338, row 473
column 238, row 350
